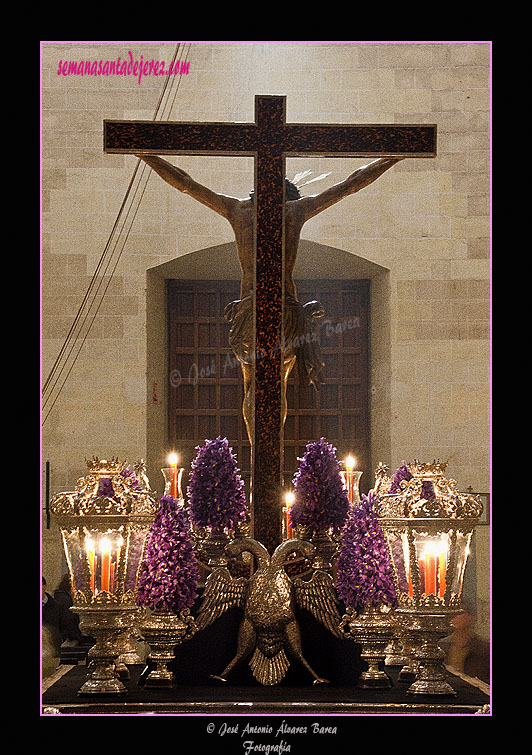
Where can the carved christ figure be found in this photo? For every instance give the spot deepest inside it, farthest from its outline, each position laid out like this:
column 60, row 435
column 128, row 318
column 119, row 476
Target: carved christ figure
column 298, row 318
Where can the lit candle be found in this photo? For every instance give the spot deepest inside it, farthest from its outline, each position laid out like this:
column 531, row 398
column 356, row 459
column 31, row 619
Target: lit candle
column 289, row 499
column 430, row 573
column 89, row 547
column 105, row 548
column 443, row 570
column 172, row 460
column 422, row 575
column 349, row 466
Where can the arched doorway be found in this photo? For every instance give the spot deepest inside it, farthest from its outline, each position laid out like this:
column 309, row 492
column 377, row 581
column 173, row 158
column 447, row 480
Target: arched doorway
column 194, row 385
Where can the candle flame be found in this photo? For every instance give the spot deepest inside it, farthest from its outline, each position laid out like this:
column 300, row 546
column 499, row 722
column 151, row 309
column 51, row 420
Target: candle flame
column 173, row 459
column 350, row 462
column 289, row 499
column 105, row 545
column 435, row 548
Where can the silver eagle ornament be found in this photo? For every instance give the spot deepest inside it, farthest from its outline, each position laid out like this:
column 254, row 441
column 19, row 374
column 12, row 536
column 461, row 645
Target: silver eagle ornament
column 268, row 598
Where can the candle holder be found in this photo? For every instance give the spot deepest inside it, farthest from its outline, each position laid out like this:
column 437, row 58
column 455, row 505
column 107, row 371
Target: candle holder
column 372, row 630
column 104, row 523
column 351, row 478
column 172, row 478
column 211, row 544
column 163, row 630
column 287, row 530
column 325, row 542
column 428, row 526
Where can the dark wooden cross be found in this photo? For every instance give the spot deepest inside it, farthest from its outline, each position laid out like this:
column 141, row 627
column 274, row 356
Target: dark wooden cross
column 270, row 140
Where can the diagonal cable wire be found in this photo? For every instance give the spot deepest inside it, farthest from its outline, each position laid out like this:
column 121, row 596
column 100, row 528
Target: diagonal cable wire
column 115, row 233
column 119, row 235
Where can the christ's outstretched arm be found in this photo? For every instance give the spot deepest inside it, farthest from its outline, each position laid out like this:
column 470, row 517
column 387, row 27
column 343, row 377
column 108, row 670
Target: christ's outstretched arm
column 181, row 180
column 359, row 179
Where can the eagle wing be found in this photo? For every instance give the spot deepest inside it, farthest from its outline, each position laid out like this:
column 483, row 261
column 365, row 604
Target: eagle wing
column 222, row 592
column 318, row 596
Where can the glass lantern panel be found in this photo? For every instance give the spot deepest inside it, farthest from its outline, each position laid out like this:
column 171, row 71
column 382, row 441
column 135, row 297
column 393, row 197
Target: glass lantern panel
column 463, row 542
column 397, row 543
column 432, row 556
column 103, row 550
column 137, row 539
column 74, row 554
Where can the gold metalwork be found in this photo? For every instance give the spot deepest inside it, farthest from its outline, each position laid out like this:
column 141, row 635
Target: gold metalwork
column 372, row 629
column 409, row 518
column 396, row 652
column 106, row 622
column 269, row 624
column 210, row 546
column 163, row 630
column 327, row 544
column 107, row 610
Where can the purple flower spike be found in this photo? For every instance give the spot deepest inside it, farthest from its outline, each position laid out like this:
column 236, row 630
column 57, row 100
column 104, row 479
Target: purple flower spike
column 216, row 490
column 365, row 574
column 320, row 498
column 106, row 489
column 403, row 473
column 169, row 574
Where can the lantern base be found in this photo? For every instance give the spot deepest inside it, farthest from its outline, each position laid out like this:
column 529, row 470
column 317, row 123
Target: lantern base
column 431, row 678
column 102, row 681
column 395, row 655
column 432, row 686
column 106, row 623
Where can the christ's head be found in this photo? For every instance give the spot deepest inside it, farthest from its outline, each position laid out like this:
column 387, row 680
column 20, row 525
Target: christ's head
column 290, row 191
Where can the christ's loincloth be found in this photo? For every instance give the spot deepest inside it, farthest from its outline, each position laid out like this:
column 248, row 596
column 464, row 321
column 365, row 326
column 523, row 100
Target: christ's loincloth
column 301, row 338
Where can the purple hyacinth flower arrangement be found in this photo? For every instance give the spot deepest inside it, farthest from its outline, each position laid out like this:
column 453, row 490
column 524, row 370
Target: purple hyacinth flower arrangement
column 106, row 489
column 216, row 495
column 427, row 490
column 365, row 574
column 403, row 473
column 169, row 573
column 320, row 498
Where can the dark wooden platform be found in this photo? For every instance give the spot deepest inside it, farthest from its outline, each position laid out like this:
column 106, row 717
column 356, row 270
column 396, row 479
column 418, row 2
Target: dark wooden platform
column 61, row 693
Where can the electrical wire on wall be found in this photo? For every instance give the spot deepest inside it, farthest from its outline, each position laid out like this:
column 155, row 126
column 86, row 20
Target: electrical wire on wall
column 112, row 253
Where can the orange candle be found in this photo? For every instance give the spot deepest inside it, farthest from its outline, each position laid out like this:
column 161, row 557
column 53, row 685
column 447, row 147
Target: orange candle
column 422, row 575
column 172, row 460
column 289, row 499
column 349, row 466
column 443, row 569
column 105, row 547
column 430, row 574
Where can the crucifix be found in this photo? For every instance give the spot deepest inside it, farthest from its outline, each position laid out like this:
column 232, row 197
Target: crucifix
column 269, row 140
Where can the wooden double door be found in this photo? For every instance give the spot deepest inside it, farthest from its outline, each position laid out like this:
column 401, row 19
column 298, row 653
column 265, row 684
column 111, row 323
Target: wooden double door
column 205, row 381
